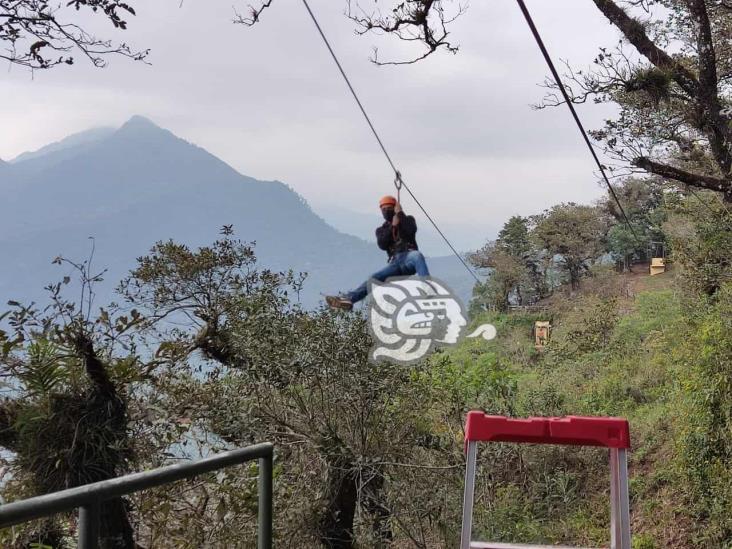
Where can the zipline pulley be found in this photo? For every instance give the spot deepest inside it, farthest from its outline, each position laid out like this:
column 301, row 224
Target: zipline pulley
column 398, row 184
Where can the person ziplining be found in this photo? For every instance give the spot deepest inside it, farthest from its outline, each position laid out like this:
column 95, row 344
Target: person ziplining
column 398, row 261
column 397, row 237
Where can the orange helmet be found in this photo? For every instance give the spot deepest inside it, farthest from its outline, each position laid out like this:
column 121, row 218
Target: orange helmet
column 387, row 201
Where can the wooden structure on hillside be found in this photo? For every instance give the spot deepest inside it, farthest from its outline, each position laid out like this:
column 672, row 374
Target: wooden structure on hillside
column 658, row 266
column 657, row 251
column 541, row 333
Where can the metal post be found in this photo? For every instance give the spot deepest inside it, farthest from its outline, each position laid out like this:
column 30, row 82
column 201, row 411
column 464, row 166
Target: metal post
column 619, row 500
column 623, row 499
column 467, row 530
column 614, row 522
column 264, row 534
column 89, row 526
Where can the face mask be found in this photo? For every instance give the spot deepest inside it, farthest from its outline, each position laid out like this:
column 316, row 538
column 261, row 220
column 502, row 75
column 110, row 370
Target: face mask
column 388, row 214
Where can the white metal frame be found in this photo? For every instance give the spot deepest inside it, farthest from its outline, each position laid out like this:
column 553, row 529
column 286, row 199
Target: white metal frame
column 619, row 505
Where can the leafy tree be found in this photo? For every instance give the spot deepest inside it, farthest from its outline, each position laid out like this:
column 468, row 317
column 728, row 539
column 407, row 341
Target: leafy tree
column 275, row 372
column 518, row 268
column 576, row 233
column 227, row 358
column 700, row 233
column 41, row 34
column 67, row 421
column 514, row 237
column 508, row 276
column 641, row 199
column 625, row 244
column 643, row 202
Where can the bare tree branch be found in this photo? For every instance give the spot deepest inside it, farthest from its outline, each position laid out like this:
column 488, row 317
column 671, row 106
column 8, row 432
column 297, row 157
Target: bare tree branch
column 40, row 34
column 422, row 21
column 253, row 14
column 636, row 34
column 683, row 176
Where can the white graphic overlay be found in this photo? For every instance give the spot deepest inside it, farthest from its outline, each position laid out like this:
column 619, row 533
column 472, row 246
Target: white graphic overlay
column 408, row 316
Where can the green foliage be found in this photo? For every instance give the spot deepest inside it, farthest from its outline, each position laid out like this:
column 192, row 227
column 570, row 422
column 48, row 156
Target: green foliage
column 586, row 329
column 507, row 279
column 644, row 541
column 473, row 379
column 706, row 442
column 701, row 236
column 65, row 421
column 622, row 243
column 302, row 379
column 514, row 237
column 518, row 270
column 655, row 358
column 656, row 83
column 643, row 202
column 575, row 232
column 47, row 367
column 364, row 448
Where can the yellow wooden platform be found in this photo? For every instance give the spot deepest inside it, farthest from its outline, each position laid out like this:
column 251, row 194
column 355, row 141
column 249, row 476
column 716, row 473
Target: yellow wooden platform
column 658, row 266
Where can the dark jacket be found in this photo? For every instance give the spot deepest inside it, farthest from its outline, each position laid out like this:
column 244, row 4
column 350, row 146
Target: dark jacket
column 394, row 240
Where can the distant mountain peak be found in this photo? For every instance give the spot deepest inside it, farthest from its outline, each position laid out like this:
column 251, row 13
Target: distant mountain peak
column 138, row 122
column 139, row 129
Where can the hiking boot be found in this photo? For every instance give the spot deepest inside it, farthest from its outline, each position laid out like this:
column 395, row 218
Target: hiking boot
column 339, row 302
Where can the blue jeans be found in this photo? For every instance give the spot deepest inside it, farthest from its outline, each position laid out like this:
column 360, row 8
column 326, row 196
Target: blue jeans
column 403, row 264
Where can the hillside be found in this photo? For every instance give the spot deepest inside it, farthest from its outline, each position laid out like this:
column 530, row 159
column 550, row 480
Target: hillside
column 131, row 187
column 625, row 345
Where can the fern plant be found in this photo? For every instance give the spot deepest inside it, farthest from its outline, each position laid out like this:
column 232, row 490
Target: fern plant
column 46, row 369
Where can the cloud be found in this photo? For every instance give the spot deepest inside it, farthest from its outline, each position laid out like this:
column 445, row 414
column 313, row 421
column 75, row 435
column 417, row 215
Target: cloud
column 269, row 101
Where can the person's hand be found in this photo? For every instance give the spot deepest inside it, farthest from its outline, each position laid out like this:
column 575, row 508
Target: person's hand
column 395, row 220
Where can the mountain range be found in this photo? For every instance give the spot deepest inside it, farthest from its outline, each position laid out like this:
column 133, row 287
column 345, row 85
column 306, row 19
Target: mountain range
column 130, row 187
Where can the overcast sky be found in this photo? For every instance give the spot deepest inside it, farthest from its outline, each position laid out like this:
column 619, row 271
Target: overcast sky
column 269, row 101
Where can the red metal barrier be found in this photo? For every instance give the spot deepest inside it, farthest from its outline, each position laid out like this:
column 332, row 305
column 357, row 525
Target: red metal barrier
column 612, row 433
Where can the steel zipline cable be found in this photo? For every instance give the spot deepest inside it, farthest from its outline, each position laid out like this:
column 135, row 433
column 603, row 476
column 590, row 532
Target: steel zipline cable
column 570, row 106
column 398, row 181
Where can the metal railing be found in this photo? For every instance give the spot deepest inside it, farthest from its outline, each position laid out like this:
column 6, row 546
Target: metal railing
column 88, row 498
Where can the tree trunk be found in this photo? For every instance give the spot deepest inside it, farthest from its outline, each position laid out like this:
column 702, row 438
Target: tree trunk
column 108, row 409
column 574, row 277
column 116, row 530
column 341, row 498
column 374, row 502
